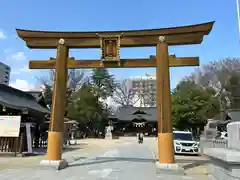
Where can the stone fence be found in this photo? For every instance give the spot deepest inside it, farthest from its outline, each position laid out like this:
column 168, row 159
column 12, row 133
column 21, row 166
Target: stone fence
column 212, row 143
column 224, row 154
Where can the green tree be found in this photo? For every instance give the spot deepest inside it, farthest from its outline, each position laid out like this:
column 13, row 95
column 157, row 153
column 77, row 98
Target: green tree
column 103, row 84
column 87, row 110
column 83, row 105
column 192, row 105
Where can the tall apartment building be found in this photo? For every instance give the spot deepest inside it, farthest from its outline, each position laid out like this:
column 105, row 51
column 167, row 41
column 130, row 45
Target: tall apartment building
column 5, row 71
column 145, row 88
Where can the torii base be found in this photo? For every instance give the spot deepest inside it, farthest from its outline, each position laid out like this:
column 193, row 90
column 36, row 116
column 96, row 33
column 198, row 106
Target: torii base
column 54, row 164
column 172, row 169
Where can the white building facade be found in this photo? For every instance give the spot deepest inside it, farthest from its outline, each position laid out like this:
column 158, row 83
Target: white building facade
column 5, row 71
column 145, row 88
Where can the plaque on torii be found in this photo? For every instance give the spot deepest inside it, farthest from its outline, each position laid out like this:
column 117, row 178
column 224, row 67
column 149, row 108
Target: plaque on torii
column 110, row 48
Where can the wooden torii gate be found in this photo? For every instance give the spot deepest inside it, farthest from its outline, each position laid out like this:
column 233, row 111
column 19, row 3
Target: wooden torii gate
column 110, row 42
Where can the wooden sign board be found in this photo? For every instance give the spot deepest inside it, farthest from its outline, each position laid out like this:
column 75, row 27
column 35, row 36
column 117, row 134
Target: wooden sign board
column 10, row 126
column 140, row 124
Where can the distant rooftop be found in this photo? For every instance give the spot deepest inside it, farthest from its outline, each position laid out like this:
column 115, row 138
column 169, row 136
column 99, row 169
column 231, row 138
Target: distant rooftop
column 146, row 76
column 153, row 74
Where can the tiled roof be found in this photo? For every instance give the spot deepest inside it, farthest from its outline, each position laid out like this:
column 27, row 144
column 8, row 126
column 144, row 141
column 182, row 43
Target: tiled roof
column 16, row 99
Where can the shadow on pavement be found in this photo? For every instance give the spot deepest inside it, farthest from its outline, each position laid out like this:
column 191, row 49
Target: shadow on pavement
column 79, row 158
column 71, row 148
column 100, row 160
column 185, row 163
column 192, row 163
column 42, row 151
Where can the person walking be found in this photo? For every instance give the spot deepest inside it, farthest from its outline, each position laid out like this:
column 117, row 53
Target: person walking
column 140, row 138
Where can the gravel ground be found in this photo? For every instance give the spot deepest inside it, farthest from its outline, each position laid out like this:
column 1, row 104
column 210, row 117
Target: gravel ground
column 82, row 148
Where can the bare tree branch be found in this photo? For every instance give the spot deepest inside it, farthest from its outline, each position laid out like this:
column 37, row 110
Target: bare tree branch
column 124, row 94
column 216, row 74
column 76, row 79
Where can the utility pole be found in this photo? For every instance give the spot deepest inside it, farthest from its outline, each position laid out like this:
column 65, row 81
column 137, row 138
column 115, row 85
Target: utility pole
column 238, row 17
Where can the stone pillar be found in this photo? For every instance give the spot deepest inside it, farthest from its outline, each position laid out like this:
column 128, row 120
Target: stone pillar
column 233, row 130
column 225, row 162
column 108, row 134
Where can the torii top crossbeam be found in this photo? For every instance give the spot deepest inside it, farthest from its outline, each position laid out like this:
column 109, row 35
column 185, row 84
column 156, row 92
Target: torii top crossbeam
column 192, row 34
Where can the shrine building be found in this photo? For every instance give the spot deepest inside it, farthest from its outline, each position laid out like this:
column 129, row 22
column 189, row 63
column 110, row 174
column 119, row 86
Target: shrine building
column 130, row 120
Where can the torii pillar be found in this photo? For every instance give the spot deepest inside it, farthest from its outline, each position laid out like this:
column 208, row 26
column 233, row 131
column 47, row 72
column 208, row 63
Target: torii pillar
column 55, row 133
column 164, row 108
column 166, row 153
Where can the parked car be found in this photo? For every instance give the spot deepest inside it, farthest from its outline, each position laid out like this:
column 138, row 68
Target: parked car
column 184, row 143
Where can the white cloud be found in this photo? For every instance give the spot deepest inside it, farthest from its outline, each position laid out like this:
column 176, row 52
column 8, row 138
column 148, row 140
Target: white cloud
column 2, row 36
column 6, row 50
column 21, row 85
column 25, row 69
column 15, row 72
column 24, row 85
column 18, row 64
column 19, row 56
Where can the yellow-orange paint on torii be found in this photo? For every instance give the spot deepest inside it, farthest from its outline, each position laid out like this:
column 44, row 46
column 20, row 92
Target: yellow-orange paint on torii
column 160, row 38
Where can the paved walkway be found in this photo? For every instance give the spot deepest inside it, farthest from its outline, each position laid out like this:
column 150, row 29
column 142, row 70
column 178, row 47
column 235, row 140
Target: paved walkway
column 106, row 160
column 128, row 160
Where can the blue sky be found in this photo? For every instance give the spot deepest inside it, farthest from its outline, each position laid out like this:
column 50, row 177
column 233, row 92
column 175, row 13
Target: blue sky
column 84, row 15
